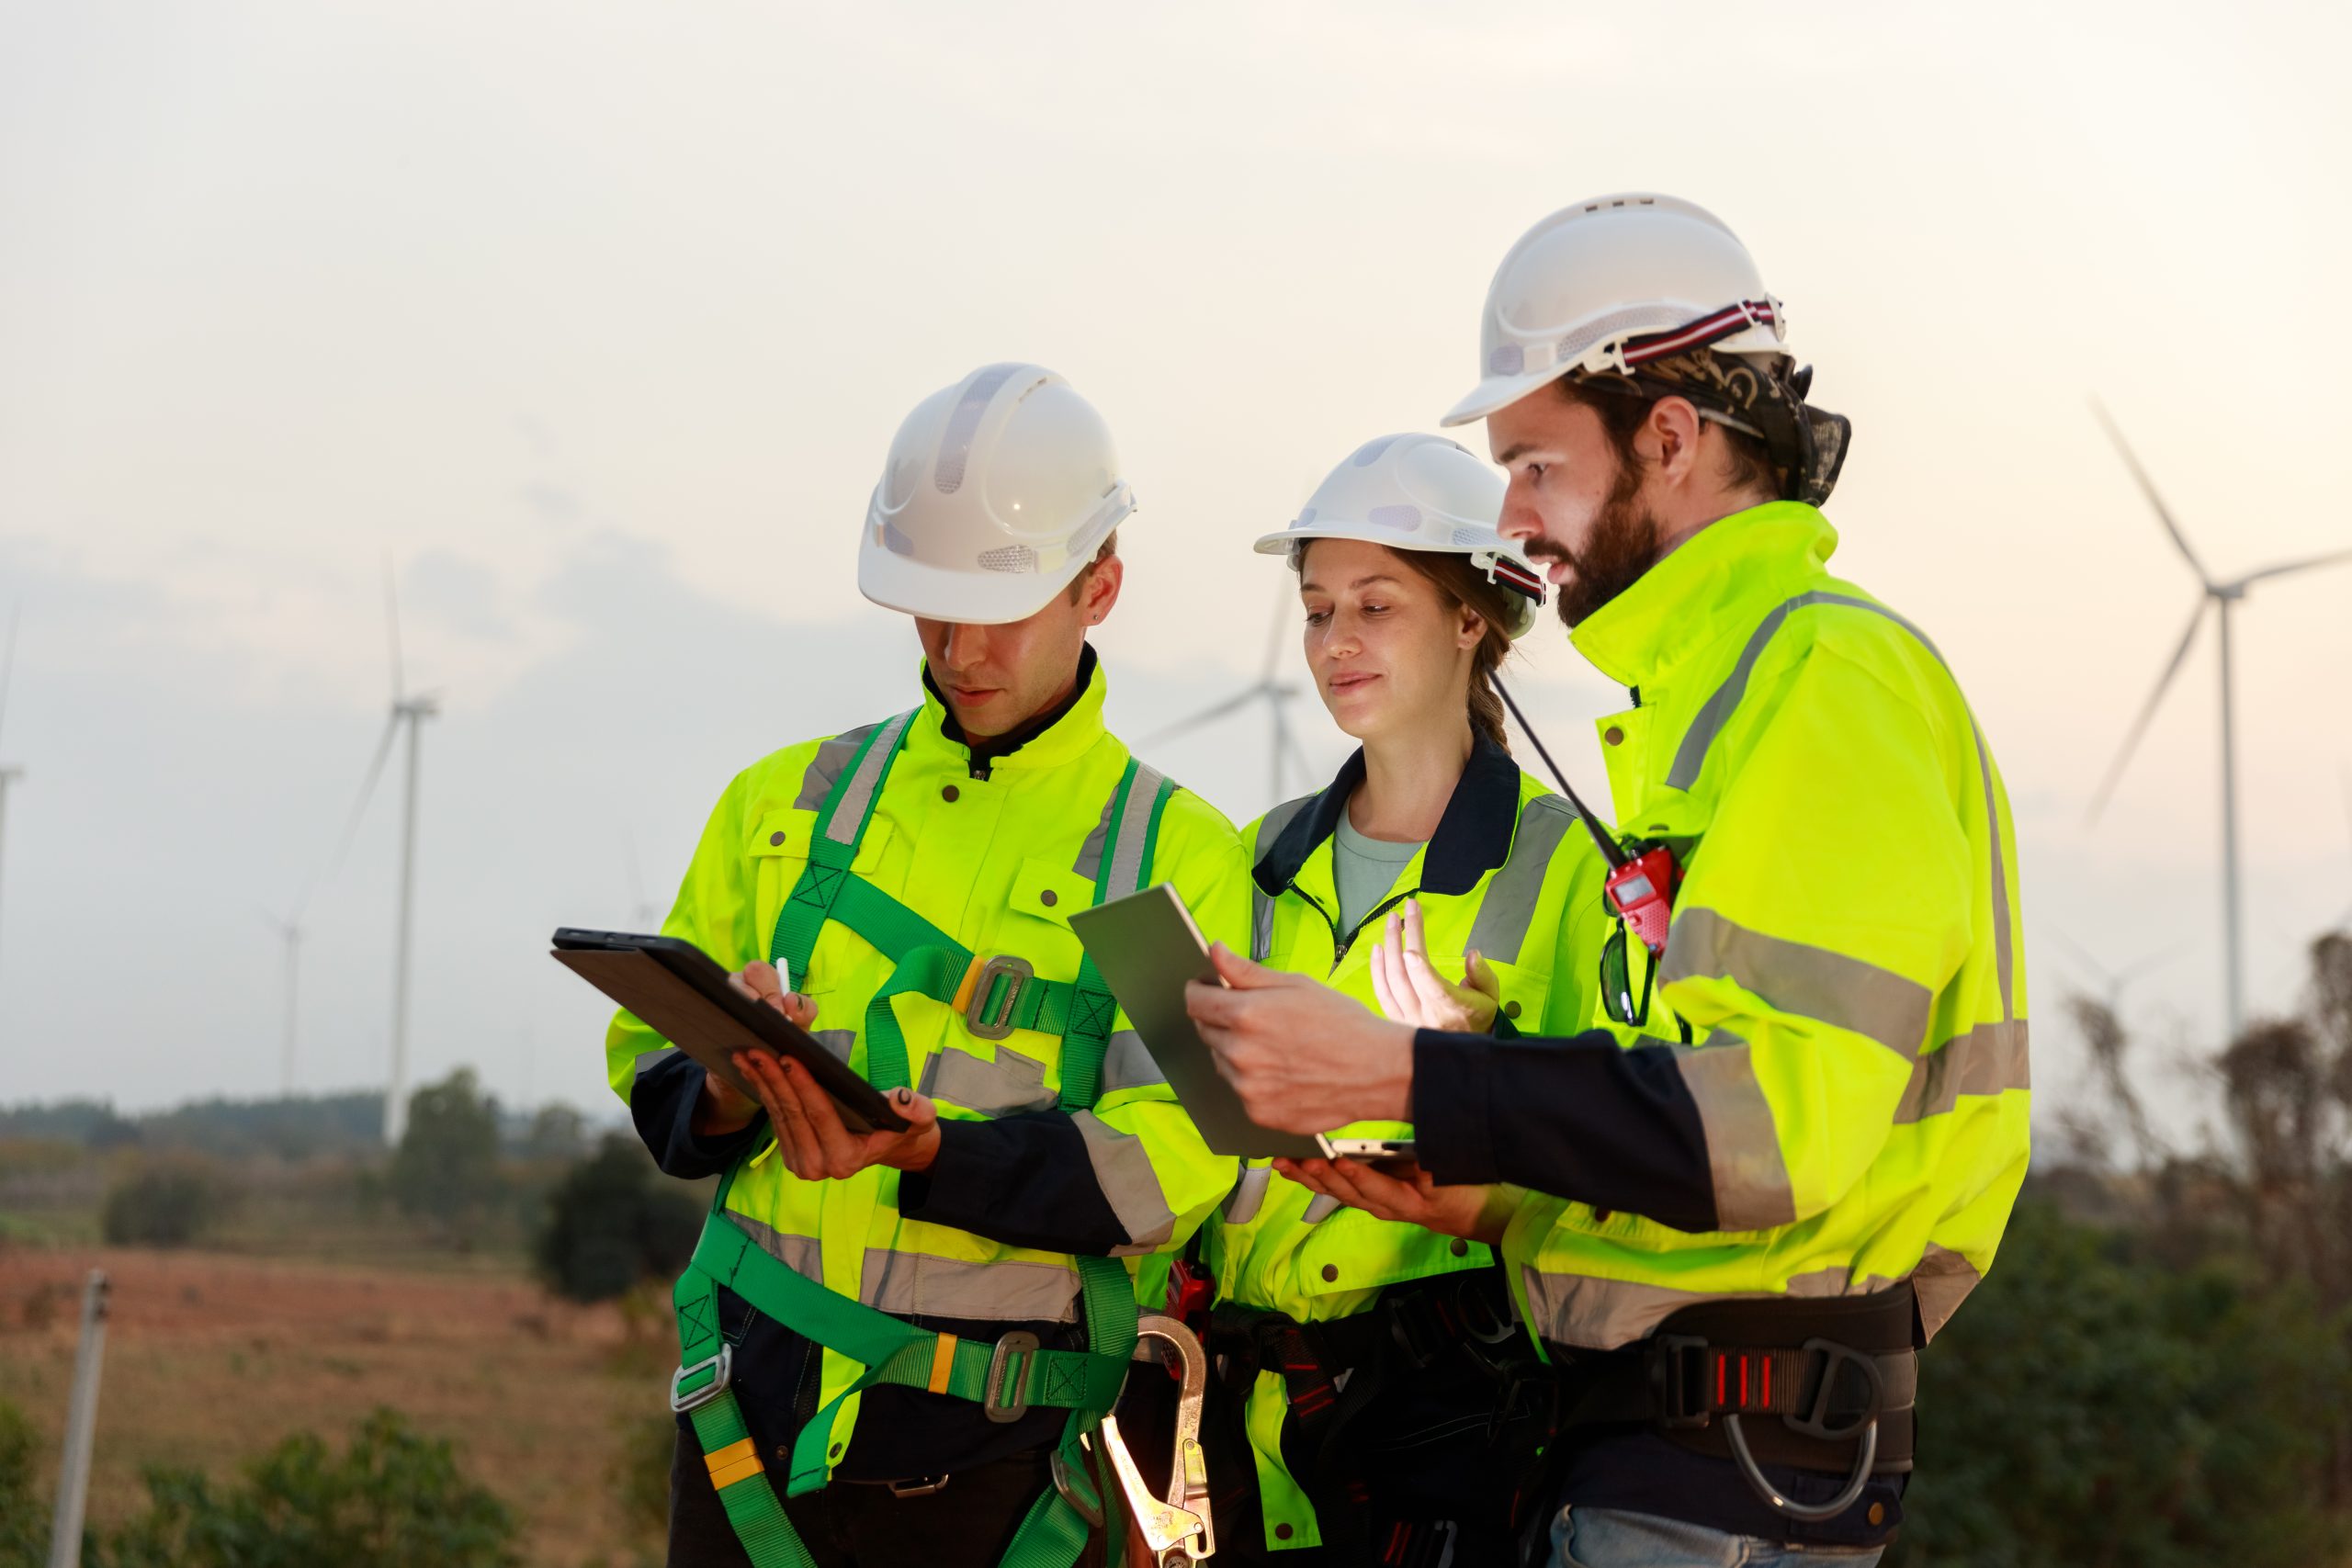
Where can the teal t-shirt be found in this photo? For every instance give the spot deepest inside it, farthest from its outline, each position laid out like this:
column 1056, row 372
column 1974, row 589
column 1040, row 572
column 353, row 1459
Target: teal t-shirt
column 1365, row 869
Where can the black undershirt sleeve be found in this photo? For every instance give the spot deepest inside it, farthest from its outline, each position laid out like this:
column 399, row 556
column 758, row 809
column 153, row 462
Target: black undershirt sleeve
column 662, row 1104
column 1023, row 1180
column 1580, row 1118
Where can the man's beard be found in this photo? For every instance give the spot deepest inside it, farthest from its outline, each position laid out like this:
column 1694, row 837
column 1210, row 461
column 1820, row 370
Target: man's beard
column 1620, row 546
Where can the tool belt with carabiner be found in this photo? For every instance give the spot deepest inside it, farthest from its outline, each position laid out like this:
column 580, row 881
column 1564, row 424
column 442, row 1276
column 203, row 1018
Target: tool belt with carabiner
column 1825, row 1384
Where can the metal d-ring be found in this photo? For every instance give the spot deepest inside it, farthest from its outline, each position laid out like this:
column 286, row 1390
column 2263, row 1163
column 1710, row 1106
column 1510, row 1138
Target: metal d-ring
column 1809, row 1512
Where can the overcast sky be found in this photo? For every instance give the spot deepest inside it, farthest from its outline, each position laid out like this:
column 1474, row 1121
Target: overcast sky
column 597, row 320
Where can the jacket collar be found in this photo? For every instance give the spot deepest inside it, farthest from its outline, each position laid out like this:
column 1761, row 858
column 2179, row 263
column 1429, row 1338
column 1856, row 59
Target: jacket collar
column 1716, row 584
column 1053, row 738
column 1472, row 838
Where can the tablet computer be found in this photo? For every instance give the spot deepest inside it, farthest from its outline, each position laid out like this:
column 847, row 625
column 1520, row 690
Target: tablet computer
column 1146, row 947
column 682, row 994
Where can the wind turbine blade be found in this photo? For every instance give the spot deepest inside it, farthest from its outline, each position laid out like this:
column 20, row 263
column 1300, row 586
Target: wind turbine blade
column 2147, row 712
column 2148, row 489
column 1209, row 714
column 2287, row 568
column 392, row 621
column 358, row 811
column 2077, row 951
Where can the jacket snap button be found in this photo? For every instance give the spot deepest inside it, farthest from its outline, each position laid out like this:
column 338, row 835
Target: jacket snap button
column 834, row 1452
column 1049, row 898
column 1613, row 735
column 949, row 793
column 1461, row 1248
column 1878, row 1513
column 1281, row 1532
column 1330, row 1272
column 776, row 837
column 1600, row 1216
column 1511, row 1009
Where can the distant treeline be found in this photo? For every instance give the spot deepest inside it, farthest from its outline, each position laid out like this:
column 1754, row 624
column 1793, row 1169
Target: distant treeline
column 291, row 1127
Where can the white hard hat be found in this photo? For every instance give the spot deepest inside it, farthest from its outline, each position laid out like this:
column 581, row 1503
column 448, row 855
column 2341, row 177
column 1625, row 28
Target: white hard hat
column 1418, row 493
column 1609, row 285
column 997, row 490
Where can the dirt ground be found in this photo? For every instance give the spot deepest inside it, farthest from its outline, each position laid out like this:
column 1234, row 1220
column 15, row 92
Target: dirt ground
column 212, row 1358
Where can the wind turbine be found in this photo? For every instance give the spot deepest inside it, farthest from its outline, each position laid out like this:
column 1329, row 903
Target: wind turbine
column 409, row 709
column 2222, row 598
column 289, row 930
column 1281, row 745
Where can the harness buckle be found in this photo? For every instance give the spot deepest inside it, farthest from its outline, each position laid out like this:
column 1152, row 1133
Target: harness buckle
column 1002, row 1377
column 987, row 1023
column 722, row 1367
column 1678, row 1378
column 1815, row 1422
column 920, row 1486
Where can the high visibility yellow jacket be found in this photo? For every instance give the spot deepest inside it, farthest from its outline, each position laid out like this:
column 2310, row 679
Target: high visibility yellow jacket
column 1509, row 872
column 996, row 848
column 1851, row 1108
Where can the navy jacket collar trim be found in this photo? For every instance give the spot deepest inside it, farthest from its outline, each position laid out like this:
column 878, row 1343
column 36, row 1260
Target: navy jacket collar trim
column 1472, row 838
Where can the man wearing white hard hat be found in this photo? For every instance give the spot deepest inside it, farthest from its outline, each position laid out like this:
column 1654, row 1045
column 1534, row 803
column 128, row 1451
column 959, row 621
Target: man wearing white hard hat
column 1374, row 1399
column 893, row 1342
column 1789, row 1153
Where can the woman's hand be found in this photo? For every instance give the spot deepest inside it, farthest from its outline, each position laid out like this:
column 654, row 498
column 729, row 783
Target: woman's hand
column 1410, row 990
column 1478, row 1213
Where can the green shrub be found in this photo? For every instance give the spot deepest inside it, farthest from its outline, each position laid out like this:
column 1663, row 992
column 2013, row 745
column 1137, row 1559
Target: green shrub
column 24, row 1513
column 392, row 1500
column 611, row 1221
column 2092, row 1405
column 167, row 1202
column 447, row 1166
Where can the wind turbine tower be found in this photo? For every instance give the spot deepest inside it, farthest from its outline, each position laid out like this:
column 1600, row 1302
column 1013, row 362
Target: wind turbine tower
column 2223, row 597
column 412, row 711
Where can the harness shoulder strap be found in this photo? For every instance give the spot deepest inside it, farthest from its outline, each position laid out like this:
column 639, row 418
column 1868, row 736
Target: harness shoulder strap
column 832, row 847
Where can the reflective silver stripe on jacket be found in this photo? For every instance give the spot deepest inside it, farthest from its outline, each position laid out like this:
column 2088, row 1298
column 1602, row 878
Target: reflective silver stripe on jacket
column 1261, row 907
column 1691, row 756
column 1122, row 1169
column 851, row 817
column 1501, row 930
column 1248, row 1194
column 1752, row 1188
column 1010, row 1084
column 1795, row 976
column 1986, row 1060
column 912, row 1283
column 1590, row 1313
column 1127, row 868
column 825, row 770
column 1127, row 1063
column 649, row 1060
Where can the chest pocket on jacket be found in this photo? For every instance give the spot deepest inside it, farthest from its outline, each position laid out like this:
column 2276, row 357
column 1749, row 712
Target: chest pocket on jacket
column 778, row 851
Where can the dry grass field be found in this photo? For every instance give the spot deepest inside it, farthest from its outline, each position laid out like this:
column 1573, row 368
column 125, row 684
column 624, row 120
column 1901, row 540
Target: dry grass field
column 213, row 1358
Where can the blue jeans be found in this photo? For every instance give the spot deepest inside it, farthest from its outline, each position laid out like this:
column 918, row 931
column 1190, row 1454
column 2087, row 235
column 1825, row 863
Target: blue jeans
column 1612, row 1538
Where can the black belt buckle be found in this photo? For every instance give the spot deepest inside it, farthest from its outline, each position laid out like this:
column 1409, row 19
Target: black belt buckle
column 1678, row 1378
column 1815, row 1423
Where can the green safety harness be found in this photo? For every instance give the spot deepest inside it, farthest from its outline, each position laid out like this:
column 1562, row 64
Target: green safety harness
column 1011, row 1374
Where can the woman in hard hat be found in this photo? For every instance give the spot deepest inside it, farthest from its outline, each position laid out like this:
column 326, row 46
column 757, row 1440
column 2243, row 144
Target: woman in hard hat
column 1378, row 1402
